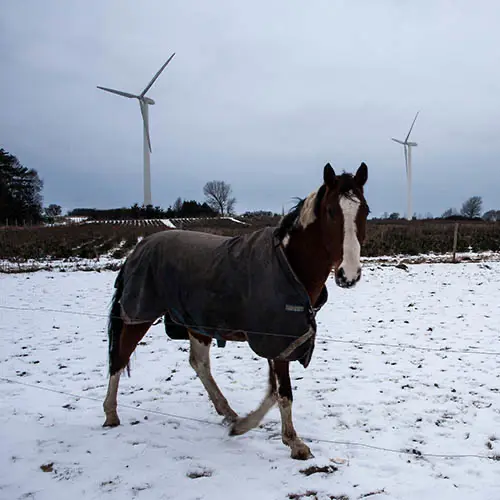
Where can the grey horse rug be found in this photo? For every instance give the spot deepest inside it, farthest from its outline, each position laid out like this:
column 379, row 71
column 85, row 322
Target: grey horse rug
column 214, row 285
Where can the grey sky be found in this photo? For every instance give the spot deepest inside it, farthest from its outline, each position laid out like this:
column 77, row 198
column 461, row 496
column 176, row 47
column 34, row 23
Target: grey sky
column 260, row 94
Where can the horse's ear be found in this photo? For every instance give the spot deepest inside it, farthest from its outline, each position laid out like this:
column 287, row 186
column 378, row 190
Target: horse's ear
column 361, row 175
column 329, row 176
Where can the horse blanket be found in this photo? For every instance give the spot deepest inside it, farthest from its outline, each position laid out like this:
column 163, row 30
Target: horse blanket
column 215, row 284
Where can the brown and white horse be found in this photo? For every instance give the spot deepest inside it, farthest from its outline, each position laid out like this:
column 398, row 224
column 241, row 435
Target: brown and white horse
column 324, row 232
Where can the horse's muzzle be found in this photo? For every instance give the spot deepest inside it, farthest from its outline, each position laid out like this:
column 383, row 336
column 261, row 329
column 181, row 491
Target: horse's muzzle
column 343, row 281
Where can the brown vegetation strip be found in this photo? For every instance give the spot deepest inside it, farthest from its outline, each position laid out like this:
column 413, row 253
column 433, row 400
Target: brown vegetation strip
column 96, row 239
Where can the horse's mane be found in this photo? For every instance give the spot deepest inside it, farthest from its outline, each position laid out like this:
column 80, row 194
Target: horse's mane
column 288, row 222
column 347, row 188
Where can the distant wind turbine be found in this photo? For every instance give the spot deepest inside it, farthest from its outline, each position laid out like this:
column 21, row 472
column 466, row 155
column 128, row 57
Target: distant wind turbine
column 144, row 103
column 407, row 149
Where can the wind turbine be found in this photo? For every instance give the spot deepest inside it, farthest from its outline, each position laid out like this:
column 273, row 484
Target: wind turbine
column 407, row 148
column 144, row 103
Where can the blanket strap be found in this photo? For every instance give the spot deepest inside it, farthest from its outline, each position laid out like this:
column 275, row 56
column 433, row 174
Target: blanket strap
column 295, row 344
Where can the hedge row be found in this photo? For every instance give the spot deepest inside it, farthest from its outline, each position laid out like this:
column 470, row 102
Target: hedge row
column 61, row 242
column 383, row 238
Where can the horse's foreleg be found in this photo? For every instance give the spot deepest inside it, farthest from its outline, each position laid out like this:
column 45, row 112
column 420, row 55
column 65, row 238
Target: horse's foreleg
column 130, row 336
column 110, row 403
column 199, row 358
column 299, row 449
column 254, row 418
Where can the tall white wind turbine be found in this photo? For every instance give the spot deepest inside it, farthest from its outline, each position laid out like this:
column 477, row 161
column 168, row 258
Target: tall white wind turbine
column 407, row 149
column 144, row 103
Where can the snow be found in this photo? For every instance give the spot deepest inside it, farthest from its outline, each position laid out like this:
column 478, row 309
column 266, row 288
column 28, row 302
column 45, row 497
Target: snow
column 68, row 264
column 106, row 262
column 408, row 360
column 76, row 220
column 168, row 223
column 234, row 220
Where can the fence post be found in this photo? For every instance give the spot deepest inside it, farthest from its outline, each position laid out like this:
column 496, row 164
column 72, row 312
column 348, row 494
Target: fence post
column 455, row 241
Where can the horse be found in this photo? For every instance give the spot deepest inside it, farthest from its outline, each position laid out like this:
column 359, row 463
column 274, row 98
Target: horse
column 275, row 276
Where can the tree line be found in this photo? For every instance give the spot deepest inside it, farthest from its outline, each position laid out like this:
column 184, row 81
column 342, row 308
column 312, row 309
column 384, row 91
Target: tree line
column 471, row 210
column 180, row 209
column 219, row 201
column 20, row 192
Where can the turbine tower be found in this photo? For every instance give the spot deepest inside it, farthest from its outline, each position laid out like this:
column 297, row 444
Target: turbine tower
column 407, row 149
column 144, row 103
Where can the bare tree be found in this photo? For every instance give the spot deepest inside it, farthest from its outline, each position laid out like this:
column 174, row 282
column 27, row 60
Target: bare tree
column 472, row 207
column 219, row 197
column 449, row 213
column 492, row 215
column 177, row 206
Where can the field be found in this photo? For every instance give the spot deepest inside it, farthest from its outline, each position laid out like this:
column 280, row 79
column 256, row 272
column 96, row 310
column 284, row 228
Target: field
column 115, row 240
column 401, row 400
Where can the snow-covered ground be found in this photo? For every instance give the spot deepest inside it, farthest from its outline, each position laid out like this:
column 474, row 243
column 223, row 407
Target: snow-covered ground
column 106, row 262
column 432, row 388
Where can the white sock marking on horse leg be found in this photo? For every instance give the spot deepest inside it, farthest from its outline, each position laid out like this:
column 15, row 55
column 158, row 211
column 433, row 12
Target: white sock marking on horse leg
column 110, row 402
column 289, row 437
column 199, row 358
column 254, row 418
column 351, row 261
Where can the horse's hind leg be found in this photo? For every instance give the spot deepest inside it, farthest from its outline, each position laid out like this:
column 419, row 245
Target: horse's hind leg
column 280, row 389
column 199, row 358
column 254, row 418
column 122, row 349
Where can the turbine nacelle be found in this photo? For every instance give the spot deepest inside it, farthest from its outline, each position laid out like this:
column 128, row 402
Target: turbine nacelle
column 147, row 100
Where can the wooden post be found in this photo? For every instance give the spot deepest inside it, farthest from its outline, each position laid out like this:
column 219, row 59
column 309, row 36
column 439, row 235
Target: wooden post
column 455, row 241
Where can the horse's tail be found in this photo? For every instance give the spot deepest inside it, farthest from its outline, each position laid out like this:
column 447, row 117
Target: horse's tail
column 115, row 326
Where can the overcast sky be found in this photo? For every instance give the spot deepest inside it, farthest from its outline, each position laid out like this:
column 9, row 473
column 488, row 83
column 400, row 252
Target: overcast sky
column 260, row 94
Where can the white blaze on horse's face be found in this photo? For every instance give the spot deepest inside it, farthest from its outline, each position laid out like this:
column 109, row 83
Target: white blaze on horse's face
column 349, row 271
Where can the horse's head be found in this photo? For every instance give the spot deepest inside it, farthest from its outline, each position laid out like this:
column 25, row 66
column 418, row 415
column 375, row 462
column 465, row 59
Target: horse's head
column 342, row 212
column 327, row 229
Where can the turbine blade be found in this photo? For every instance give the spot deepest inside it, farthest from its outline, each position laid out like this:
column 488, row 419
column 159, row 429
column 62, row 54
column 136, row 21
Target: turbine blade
column 406, row 159
column 398, row 141
column 411, row 128
column 150, row 84
column 145, row 122
column 118, row 92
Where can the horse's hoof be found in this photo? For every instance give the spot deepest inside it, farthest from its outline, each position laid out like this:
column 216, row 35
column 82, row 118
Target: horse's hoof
column 238, row 428
column 230, row 420
column 234, row 431
column 301, row 452
column 111, row 422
